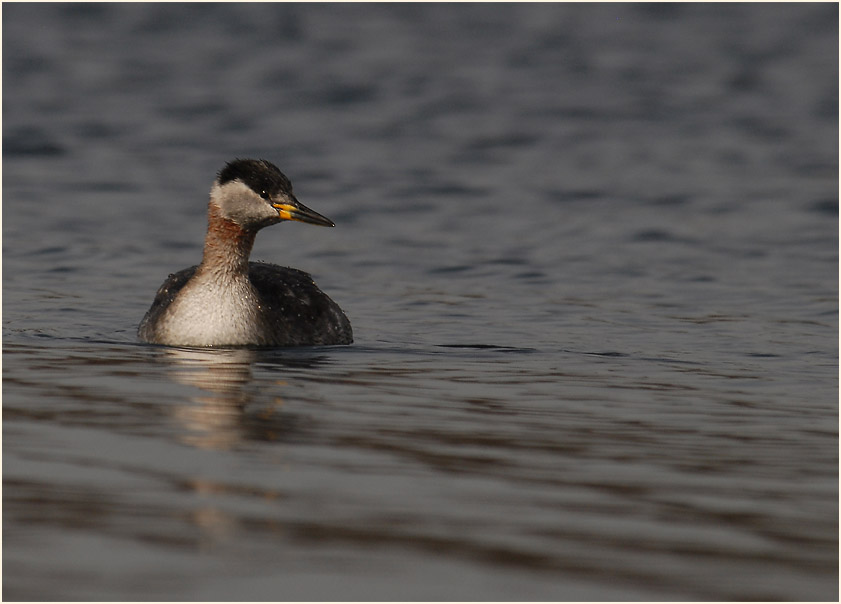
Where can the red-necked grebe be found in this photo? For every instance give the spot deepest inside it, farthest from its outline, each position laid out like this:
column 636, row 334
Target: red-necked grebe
column 227, row 300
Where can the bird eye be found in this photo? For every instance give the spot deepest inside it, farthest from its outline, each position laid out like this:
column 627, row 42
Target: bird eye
column 264, row 195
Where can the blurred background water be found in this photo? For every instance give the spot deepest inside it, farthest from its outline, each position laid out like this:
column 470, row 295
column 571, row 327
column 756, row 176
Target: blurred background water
column 590, row 254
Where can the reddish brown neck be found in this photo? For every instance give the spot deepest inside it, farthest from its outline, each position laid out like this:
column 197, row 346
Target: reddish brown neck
column 227, row 245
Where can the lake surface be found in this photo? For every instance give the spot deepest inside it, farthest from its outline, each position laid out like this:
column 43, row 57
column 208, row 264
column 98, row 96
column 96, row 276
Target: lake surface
column 589, row 252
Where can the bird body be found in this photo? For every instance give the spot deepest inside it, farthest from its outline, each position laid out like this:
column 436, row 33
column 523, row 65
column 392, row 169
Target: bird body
column 227, row 300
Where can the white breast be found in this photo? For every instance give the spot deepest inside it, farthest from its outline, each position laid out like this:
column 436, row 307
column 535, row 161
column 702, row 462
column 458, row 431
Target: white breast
column 208, row 313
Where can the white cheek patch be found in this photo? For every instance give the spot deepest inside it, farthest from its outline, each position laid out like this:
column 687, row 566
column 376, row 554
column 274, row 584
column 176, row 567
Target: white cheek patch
column 239, row 203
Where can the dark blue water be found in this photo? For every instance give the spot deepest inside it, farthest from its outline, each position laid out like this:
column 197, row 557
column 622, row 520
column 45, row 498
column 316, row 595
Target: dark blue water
column 590, row 254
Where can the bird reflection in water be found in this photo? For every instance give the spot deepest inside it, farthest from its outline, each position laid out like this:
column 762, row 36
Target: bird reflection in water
column 231, row 408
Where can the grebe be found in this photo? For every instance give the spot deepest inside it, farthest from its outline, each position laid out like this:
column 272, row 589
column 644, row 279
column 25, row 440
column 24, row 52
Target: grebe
column 227, row 300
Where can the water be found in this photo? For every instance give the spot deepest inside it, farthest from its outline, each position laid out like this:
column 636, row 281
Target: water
column 590, row 254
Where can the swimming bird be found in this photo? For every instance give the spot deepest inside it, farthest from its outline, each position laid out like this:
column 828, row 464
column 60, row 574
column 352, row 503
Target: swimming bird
column 227, row 300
